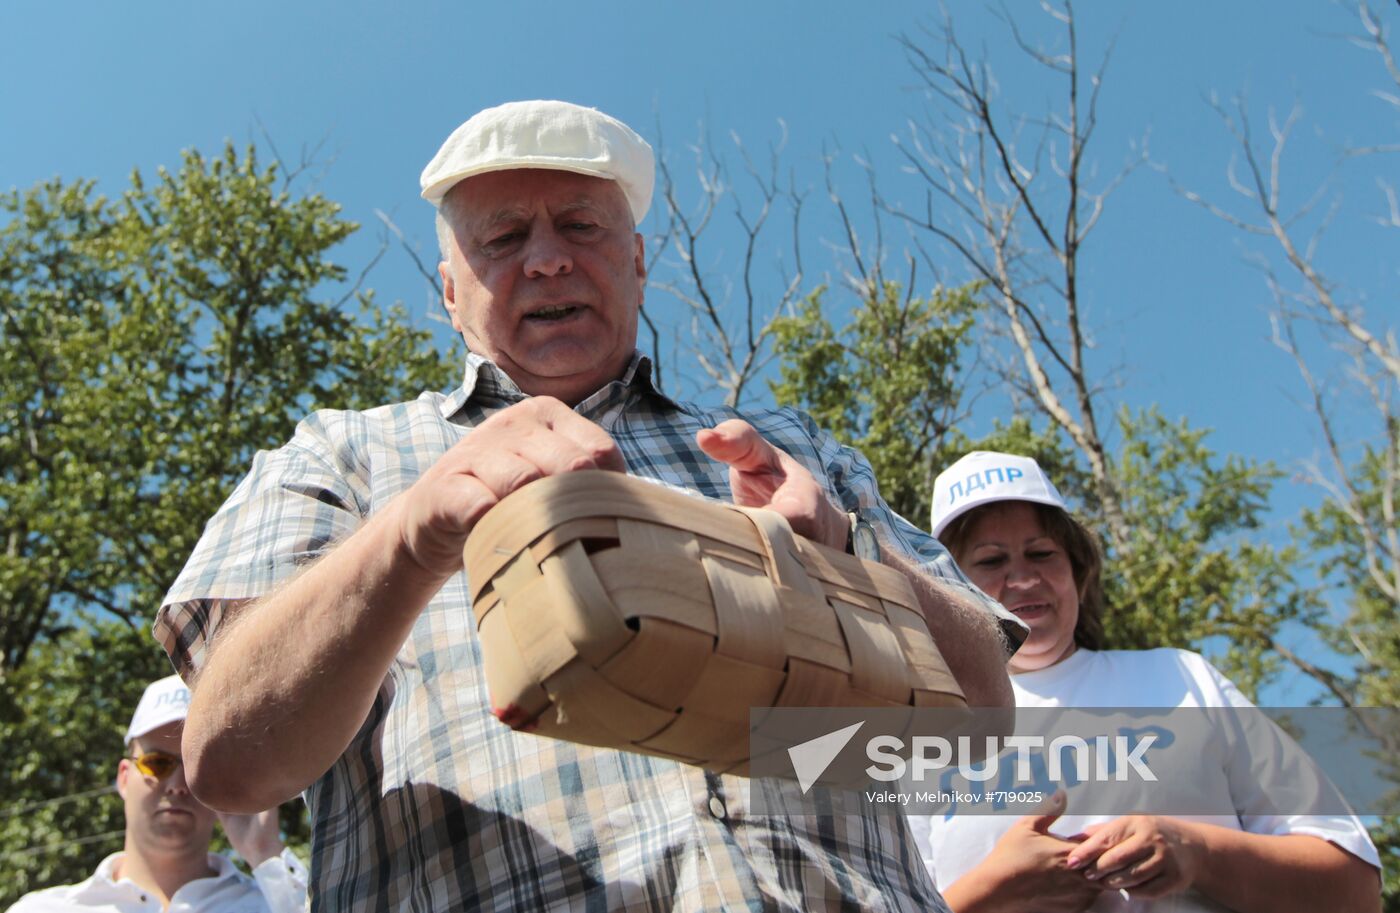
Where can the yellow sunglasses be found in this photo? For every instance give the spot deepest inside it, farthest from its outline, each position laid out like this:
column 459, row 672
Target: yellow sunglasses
column 157, row 764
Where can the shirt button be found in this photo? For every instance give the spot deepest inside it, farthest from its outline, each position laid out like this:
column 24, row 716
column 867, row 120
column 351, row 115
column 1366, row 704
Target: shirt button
column 717, row 807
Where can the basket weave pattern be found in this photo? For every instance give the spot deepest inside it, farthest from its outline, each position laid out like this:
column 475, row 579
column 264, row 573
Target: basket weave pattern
column 616, row 613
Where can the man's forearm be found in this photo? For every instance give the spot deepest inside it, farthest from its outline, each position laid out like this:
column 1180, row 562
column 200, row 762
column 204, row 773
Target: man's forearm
column 290, row 680
column 287, row 685
column 967, row 635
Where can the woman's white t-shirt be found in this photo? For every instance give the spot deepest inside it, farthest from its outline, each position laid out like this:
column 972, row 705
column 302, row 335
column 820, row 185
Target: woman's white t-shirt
column 951, row 845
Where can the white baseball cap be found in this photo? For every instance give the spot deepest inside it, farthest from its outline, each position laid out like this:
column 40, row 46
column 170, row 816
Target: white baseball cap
column 984, row 476
column 165, row 701
column 554, row 135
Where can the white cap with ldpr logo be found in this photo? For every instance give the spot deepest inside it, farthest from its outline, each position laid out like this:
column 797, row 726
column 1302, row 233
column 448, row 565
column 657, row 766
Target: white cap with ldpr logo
column 165, row 701
column 984, row 476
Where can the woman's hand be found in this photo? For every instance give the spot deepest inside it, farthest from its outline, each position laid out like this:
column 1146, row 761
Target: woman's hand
column 1027, row 870
column 1147, row 855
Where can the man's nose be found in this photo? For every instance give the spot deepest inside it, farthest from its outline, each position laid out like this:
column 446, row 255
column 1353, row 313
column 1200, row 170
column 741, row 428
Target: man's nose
column 176, row 783
column 546, row 254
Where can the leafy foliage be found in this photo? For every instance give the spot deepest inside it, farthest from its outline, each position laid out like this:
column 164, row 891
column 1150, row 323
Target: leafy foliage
column 1350, row 534
column 151, row 345
column 1353, row 537
column 1194, row 573
column 887, row 383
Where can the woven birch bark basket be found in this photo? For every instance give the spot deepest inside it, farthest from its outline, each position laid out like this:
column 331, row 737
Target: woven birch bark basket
column 618, row 613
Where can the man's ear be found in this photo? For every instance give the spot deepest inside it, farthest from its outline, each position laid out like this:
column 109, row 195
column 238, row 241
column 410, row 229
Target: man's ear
column 123, row 772
column 640, row 263
column 449, row 295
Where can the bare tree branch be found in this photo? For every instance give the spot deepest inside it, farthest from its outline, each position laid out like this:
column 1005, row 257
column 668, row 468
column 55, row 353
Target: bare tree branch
column 732, row 346
column 1315, row 317
column 1016, row 225
column 429, row 276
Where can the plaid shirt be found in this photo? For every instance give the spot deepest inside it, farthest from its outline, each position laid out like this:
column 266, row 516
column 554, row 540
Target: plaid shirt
column 435, row 805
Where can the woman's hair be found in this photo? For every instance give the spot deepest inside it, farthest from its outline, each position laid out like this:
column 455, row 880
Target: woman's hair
column 1085, row 559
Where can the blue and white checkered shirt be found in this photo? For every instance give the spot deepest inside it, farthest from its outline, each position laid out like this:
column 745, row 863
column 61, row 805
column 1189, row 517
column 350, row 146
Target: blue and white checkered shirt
column 437, row 806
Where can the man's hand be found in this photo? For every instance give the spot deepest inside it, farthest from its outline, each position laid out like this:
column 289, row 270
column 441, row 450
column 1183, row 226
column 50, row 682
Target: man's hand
column 761, row 475
column 1026, row 871
column 1148, row 855
column 296, row 678
column 527, row 441
column 254, row 837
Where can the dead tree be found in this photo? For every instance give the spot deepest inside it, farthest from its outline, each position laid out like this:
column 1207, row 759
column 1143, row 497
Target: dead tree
column 1352, row 394
column 729, row 310
column 1011, row 197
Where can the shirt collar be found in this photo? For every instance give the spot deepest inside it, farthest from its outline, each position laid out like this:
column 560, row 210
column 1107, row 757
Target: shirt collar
column 482, row 379
column 103, row 884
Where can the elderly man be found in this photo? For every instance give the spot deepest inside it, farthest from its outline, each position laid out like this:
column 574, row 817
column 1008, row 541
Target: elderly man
column 165, row 862
column 325, row 618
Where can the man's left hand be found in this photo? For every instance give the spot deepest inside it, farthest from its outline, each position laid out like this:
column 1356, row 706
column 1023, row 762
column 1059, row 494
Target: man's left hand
column 761, row 475
column 254, row 837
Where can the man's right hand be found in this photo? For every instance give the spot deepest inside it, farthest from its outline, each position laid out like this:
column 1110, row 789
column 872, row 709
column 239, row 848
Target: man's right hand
column 294, row 678
column 256, row 837
column 527, row 441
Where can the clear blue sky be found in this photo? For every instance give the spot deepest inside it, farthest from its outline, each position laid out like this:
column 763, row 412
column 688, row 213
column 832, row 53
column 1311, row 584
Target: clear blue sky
column 93, row 89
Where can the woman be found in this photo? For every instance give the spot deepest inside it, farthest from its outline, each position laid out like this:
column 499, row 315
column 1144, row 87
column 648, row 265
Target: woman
column 1009, row 529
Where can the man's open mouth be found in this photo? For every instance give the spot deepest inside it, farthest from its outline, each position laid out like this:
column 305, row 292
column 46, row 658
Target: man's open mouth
column 553, row 312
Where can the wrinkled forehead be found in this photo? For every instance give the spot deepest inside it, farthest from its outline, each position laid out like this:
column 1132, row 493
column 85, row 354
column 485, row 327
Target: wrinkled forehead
column 516, row 211
column 503, row 196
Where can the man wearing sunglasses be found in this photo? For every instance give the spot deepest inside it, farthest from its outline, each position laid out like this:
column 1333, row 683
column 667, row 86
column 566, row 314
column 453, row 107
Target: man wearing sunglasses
column 165, row 862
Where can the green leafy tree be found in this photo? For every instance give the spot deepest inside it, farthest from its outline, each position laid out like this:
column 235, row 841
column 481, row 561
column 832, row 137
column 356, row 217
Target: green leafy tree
column 1193, row 571
column 1353, row 537
column 1352, row 534
column 151, row 345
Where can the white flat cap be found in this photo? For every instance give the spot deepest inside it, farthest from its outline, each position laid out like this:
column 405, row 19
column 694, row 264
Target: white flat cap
column 554, row 135
column 984, row 476
column 165, row 701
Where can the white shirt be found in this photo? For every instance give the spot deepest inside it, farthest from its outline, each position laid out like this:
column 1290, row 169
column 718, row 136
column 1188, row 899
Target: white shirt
column 278, row 885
